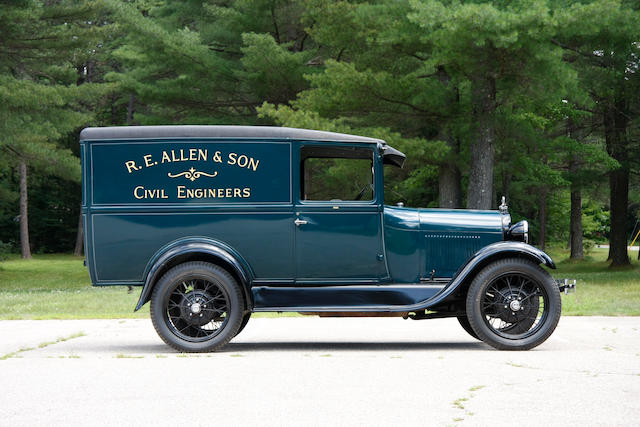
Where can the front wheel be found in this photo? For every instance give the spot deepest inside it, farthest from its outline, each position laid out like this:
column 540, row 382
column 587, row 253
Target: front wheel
column 513, row 304
column 197, row 307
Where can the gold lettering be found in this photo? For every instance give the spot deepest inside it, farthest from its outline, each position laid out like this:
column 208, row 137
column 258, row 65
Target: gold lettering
column 181, row 192
column 217, row 158
column 131, row 166
column 189, row 154
column 147, row 160
column 243, row 161
column 253, row 163
column 157, row 193
column 135, row 192
column 197, row 193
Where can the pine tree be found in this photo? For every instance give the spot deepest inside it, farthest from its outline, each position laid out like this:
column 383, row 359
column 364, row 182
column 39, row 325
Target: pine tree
column 600, row 39
column 502, row 50
column 39, row 99
column 210, row 63
column 470, row 76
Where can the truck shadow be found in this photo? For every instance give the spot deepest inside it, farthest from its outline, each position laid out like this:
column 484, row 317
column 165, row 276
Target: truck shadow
column 351, row 346
column 126, row 351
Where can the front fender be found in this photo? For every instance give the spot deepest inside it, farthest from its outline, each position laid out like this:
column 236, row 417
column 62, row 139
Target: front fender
column 484, row 257
column 519, row 249
column 188, row 249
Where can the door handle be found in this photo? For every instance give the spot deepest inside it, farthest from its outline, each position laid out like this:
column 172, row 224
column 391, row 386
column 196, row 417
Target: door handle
column 299, row 222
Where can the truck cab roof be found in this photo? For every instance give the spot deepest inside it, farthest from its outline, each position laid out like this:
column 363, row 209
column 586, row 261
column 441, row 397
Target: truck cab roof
column 115, row 133
column 210, row 131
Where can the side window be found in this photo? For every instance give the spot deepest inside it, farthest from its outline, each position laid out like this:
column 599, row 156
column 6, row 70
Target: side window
column 336, row 173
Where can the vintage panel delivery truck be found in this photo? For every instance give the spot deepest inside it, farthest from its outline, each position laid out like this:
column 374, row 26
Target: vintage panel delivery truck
column 217, row 222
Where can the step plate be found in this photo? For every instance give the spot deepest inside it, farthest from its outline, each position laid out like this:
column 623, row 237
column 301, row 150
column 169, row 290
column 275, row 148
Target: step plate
column 342, row 298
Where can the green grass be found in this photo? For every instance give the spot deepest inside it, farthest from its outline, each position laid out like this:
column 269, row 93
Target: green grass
column 58, row 287
column 601, row 290
column 127, row 356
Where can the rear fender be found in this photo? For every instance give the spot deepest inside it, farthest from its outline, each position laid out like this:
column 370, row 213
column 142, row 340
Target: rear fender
column 196, row 249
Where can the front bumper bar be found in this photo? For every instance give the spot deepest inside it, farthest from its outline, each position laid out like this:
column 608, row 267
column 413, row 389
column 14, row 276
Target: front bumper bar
column 566, row 285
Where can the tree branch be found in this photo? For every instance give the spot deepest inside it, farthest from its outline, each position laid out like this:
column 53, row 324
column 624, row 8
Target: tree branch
column 590, row 56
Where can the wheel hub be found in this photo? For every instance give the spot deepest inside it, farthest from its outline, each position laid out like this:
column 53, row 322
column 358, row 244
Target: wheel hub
column 511, row 307
column 194, row 308
column 515, row 305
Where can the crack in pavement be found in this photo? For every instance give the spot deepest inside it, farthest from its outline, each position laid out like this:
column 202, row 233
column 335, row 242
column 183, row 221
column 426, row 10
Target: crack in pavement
column 42, row 345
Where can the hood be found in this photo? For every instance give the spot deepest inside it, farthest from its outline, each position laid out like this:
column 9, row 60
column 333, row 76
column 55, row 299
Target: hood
column 447, row 220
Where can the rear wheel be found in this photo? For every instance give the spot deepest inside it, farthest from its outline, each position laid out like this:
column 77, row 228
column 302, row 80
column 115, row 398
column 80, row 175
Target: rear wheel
column 464, row 322
column 197, row 307
column 245, row 320
column 513, row 304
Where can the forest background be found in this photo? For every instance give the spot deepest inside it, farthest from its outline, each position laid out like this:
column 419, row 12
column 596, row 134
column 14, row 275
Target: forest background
column 535, row 100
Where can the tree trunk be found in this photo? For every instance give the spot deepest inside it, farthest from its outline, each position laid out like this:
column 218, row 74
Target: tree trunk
column 450, row 178
column 542, row 219
column 77, row 251
column 575, row 217
column 130, row 109
column 483, row 100
column 615, row 125
column 449, row 186
column 25, row 248
column 506, row 183
column 619, row 188
column 575, row 226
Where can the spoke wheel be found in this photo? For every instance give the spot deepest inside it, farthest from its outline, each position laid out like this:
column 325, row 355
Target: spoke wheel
column 245, row 320
column 464, row 322
column 196, row 307
column 513, row 304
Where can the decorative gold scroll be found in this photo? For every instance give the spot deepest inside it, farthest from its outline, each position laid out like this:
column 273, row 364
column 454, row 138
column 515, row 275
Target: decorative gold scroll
column 192, row 174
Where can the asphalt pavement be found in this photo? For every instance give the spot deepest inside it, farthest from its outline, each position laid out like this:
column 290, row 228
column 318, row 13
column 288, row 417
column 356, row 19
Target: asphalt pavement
column 312, row 371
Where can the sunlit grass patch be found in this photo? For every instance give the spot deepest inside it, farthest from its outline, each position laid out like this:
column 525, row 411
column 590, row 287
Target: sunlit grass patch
column 600, row 290
column 58, row 287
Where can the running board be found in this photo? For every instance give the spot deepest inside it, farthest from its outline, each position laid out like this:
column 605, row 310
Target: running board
column 342, row 298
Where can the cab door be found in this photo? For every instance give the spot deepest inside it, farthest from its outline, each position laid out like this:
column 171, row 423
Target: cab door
column 338, row 215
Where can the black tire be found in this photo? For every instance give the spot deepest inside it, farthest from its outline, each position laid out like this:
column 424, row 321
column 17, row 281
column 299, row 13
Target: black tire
column 513, row 304
column 197, row 307
column 464, row 322
column 245, row 320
